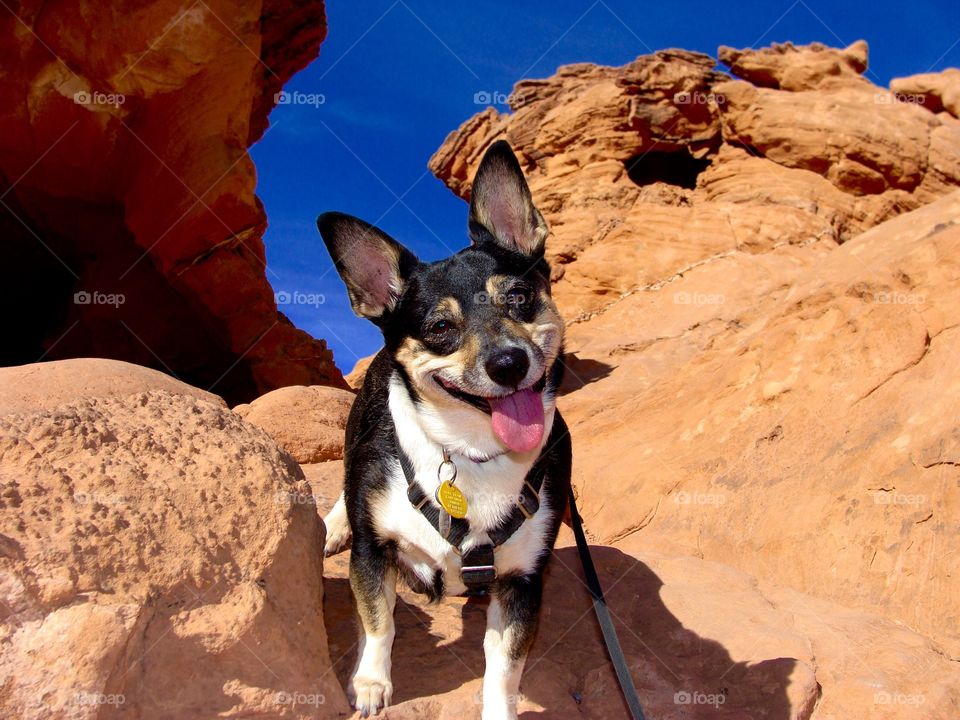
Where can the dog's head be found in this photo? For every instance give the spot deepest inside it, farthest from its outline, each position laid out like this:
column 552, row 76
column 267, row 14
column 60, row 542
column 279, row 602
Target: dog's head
column 476, row 336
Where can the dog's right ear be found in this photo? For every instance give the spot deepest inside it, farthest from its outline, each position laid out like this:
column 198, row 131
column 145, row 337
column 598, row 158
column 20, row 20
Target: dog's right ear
column 501, row 207
column 373, row 265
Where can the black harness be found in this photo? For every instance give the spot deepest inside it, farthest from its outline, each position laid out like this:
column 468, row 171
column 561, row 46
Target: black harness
column 477, row 569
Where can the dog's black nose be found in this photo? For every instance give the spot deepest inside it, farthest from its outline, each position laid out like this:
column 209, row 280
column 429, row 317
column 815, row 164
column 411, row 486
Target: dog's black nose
column 508, row 367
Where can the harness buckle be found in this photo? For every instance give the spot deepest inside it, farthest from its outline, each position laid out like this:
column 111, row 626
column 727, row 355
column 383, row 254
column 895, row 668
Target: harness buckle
column 477, row 569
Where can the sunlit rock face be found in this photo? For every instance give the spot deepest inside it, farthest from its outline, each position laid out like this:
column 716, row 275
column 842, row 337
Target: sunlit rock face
column 760, row 276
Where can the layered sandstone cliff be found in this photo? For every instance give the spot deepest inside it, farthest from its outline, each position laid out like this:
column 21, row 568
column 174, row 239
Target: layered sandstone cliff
column 762, row 345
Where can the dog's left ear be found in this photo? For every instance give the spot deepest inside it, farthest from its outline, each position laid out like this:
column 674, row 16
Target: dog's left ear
column 501, row 207
column 373, row 265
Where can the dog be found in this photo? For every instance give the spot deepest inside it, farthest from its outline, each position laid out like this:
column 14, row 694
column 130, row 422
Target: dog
column 457, row 416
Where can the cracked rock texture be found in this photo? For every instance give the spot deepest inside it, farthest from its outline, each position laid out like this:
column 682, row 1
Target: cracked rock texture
column 761, row 276
column 159, row 556
column 124, row 172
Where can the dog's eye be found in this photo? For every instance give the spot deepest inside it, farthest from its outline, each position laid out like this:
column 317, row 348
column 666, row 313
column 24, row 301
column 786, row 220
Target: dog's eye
column 519, row 295
column 441, row 327
column 520, row 302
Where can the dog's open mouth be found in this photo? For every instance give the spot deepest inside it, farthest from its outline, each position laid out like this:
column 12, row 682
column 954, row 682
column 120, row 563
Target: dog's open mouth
column 517, row 418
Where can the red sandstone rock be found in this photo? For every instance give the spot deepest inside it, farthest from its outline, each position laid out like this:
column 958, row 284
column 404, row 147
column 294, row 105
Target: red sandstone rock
column 159, row 556
column 759, row 347
column 935, row 91
column 307, row 422
column 647, row 170
column 123, row 161
column 807, row 67
column 702, row 639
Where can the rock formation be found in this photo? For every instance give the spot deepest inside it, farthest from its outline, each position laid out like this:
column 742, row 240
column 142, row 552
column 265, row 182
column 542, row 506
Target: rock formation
column 762, row 282
column 703, row 640
column 760, row 341
column 307, row 422
column 159, row 557
column 127, row 198
column 647, row 170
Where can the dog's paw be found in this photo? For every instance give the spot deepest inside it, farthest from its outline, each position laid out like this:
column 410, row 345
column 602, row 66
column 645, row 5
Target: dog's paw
column 337, row 542
column 338, row 529
column 370, row 695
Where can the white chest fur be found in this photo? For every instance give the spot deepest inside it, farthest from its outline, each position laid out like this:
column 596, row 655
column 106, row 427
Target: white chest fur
column 491, row 489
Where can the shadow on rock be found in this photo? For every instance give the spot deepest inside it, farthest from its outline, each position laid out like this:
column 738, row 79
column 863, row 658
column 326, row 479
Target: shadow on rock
column 679, row 674
column 580, row 372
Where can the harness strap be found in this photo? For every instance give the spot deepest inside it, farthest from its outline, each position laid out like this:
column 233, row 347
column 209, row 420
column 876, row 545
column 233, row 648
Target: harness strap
column 477, row 564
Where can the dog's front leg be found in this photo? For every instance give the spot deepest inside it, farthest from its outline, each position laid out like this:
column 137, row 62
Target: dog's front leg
column 511, row 623
column 373, row 580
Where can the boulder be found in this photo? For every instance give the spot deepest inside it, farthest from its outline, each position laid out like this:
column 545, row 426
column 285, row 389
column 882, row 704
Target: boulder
column 159, row 556
column 938, row 92
column 355, row 377
column 650, row 169
column 807, row 67
column 47, row 385
column 307, row 422
column 791, row 413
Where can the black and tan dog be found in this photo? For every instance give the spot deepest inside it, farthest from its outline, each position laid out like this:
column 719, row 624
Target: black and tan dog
column 457, row 462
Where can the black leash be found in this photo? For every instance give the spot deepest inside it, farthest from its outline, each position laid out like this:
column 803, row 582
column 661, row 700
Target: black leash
column 603, row 617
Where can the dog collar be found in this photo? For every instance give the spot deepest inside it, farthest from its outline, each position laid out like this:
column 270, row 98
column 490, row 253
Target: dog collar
column 477, row 567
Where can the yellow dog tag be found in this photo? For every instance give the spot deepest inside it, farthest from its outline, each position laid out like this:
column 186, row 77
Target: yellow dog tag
column 452, row 500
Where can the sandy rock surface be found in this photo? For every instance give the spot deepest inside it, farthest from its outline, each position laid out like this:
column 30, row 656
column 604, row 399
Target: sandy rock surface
column 307, row 422
column 159, row 557
column 703, row 640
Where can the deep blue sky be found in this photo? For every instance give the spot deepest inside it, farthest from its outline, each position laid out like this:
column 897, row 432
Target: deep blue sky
column 397, row 75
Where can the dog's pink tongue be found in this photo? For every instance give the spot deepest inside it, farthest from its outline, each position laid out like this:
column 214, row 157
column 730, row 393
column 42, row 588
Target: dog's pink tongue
column 518, row 419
